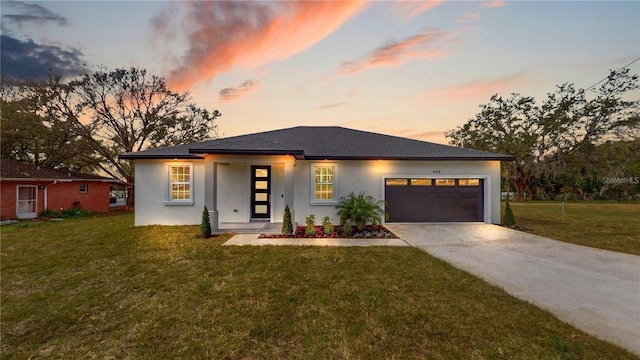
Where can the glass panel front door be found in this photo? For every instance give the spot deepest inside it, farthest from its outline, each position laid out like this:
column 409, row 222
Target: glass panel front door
column 260, row 191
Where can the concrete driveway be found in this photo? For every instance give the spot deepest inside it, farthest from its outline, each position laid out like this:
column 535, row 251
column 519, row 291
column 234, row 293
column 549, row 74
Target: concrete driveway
column 595, row 290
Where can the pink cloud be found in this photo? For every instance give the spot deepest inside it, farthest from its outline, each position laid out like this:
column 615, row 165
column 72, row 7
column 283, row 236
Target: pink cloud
column 493, row 4
column 468, row 17
column 224, row 34
column 414, row 8
column 478, row 89
column 235, row 93
column 332, row 105
column 432, row 136
column 396, row 53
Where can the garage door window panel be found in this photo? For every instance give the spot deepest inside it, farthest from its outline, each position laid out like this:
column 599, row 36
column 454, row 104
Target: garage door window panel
column 397, row 182
column 420, row 182
column 469, row 182
column 445, row 182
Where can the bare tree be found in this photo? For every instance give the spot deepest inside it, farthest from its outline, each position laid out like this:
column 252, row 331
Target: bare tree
column 128, row 110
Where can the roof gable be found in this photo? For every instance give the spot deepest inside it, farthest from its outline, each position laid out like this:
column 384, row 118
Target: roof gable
column 322, row 142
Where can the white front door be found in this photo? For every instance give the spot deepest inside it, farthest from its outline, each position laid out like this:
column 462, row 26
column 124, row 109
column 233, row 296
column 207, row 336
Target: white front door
column 26, row 207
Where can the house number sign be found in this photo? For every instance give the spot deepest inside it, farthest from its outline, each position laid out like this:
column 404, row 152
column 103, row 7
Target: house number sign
column 436, row 171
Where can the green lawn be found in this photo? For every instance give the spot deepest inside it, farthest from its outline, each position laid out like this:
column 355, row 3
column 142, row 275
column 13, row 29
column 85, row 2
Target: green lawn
column 599, row 224
column 99, row 288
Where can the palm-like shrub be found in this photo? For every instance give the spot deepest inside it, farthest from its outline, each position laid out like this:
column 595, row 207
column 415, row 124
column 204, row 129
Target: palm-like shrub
column 310, row 229
column 327, row 226
column 360, row 210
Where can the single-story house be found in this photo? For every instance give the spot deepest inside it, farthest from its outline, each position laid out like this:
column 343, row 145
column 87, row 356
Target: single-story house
column 253, row 177
column 26, row 190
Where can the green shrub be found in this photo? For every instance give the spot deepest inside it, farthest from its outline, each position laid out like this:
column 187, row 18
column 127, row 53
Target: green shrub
column 310, row 229
column 287, row 223
column 327, row 226
column 48, row 213
column 509, row 219
column 64, row 214
column 205, row 224
column 360, row 210
column 345, row 227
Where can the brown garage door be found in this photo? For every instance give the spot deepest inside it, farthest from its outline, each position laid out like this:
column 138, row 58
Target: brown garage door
column 434, row 200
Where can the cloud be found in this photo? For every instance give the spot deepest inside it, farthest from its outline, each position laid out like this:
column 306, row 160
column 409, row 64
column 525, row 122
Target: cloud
column 468, row 17
column 232, row 94
column 26, row 59
column 431, row 136
column 394, row 53
column 332, row 105
column 224, row 34
column 478, row 89
column 20, row 12
column 414, row 8
column 493, row 4
column 473, row 16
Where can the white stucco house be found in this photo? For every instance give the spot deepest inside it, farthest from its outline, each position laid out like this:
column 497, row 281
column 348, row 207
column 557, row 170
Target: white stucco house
column 252, row 177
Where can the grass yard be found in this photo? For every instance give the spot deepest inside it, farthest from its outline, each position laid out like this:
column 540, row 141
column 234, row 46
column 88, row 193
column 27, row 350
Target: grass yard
column 599, row 224
column 100, row 288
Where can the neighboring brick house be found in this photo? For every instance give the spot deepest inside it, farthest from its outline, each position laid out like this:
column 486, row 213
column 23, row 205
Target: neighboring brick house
column 26, row 190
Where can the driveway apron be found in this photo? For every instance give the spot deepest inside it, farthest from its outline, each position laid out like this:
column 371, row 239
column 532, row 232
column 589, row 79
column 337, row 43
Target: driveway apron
column 595, row 290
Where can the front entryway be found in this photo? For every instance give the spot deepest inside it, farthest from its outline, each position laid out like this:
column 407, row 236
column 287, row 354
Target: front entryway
column 260, row 192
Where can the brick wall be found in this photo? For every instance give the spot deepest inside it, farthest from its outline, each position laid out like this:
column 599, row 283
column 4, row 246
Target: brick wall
column 62, row 195
column 59, row 196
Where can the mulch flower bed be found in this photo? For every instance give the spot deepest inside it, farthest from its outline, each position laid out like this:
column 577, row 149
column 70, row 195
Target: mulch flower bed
column 369, row 232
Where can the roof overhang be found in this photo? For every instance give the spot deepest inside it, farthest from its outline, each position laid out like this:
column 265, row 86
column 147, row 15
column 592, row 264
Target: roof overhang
column 198, row 154
column 397, row 158
column 133, row 156
column 61, row 180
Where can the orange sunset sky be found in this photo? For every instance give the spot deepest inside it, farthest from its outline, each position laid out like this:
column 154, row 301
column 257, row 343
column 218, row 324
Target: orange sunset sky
column 406, row 68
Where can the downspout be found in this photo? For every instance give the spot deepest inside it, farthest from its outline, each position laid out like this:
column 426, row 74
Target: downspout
column 46, row 194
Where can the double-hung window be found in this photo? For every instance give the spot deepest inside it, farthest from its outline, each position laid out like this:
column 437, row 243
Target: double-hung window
column 323, row 183
column 180, row 190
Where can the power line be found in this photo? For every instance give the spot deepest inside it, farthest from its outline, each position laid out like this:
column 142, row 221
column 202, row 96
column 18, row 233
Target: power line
column 606, row 77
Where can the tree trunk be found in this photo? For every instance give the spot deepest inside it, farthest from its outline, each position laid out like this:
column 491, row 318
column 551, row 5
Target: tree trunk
column 130, row 193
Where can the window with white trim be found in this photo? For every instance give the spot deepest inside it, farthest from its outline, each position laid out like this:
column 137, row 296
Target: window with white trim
column 323, row 182
column 180, row 183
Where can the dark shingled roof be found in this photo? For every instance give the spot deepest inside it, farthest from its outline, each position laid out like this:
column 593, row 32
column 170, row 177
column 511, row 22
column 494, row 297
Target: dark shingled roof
column 319, row 143
column 17, row 170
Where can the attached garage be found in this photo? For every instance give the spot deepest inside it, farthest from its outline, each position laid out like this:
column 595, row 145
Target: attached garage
column 434, row 200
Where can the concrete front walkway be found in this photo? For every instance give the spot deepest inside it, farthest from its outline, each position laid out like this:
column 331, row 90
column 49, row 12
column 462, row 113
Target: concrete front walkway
column 595, row 290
